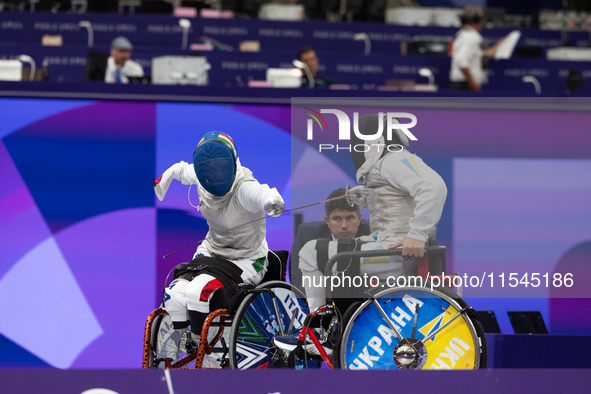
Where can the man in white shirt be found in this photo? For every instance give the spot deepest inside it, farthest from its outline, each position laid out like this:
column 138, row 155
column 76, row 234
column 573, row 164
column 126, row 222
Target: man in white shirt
column 341, row 221
column 119, row 65
column 466, row 71
column 466, row 52
column 466, row 62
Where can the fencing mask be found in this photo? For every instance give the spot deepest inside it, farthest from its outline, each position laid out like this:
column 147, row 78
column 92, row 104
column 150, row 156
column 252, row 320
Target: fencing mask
column 214, row 161
column 362, row 150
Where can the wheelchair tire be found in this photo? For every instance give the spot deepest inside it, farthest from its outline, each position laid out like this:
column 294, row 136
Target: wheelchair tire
column 256, row 323
column 368, row 342
column 475, row 319
column 336, row 362
column 158, row 339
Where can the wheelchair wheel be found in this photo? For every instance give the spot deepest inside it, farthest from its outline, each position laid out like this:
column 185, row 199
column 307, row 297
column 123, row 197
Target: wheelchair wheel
column 257, row 322
column 160, row 340
column 369, row 342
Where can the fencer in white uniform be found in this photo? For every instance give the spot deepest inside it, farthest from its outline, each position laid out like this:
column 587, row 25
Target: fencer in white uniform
column 231, row 200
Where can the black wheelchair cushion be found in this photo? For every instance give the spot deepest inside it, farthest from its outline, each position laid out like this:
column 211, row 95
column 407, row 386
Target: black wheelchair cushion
column 220, row 299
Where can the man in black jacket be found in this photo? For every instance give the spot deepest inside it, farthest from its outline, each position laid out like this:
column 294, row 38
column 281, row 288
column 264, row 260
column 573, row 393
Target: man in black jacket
column 308, row 56
column 341, row 221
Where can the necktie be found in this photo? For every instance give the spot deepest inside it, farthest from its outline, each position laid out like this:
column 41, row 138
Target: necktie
column 118, row 76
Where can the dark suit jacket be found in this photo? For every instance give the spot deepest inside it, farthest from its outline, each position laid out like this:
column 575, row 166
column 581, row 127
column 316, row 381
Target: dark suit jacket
column 307, row 232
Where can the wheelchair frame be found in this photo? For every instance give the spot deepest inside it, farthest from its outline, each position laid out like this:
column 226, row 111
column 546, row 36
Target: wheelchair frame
column 205, row 348
column 269, row 284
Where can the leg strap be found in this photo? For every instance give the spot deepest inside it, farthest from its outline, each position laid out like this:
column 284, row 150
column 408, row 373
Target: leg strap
column 225, row 271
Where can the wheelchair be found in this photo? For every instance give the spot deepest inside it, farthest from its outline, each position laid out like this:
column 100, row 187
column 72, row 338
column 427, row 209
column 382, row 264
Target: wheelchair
column 239, row 337
column 406, row 327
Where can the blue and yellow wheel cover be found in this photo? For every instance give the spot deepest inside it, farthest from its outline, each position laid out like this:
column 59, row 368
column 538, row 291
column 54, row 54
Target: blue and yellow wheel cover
column 370, row 340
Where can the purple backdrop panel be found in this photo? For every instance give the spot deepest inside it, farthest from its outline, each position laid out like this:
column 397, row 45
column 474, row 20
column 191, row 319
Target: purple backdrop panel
column 88, row 160
column 112, row 257
column 73, row 173
column 87, row 170
column 21, row 223
column 569, row 315
column 48, row 292
column 499, row 239
column 31, row 111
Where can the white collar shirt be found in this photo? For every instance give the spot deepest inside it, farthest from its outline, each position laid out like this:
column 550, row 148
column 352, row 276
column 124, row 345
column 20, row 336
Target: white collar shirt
column 467, row 53
column 129, row 69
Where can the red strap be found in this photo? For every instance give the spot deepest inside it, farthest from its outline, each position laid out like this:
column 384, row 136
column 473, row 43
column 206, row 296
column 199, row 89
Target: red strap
column 209, row 288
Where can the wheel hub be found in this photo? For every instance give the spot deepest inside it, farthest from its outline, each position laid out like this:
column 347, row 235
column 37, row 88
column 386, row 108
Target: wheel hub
column 410, row 354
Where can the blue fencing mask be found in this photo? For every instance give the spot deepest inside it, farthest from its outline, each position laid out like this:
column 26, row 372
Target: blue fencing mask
column 214, row 161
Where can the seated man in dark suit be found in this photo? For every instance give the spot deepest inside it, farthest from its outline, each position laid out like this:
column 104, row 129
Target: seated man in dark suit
column 308, row 56
column 341, row 221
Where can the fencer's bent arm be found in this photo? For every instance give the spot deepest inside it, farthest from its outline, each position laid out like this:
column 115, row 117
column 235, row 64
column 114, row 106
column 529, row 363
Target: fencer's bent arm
column 253, row 196
column 428, row 190
column 182, row 171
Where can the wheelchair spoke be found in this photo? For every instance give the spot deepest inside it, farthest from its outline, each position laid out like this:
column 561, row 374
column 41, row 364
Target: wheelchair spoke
column 414, row 323
column 293, row 316
column 277, row 315
column 454, row 317
column 392, row 326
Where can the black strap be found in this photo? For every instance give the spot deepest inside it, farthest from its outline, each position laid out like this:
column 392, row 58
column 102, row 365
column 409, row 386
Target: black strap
column 348, row 245
column 322, row 253
column 437, row 262
column 228, row 266
column 345, row 295
column 342, row 296
column 343, row 245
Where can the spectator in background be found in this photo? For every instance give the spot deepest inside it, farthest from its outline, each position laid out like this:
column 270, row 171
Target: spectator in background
column 308, row 56
column 466, row 51
column 341, row 221
column 119, row 66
